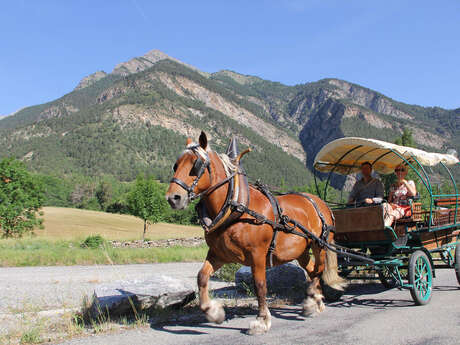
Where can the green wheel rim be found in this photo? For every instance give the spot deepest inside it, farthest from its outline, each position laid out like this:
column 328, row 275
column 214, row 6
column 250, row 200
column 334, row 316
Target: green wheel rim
column 423, row 278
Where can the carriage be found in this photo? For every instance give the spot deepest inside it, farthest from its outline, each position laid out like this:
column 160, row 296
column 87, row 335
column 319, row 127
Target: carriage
column 408, row 253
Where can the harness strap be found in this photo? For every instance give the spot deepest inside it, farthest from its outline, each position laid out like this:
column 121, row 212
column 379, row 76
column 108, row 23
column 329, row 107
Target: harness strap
column 277, row 212
column 306, row 233
column 326, row 228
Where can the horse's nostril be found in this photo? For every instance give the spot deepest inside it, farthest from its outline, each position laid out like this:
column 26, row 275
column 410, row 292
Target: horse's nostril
column 176, row 197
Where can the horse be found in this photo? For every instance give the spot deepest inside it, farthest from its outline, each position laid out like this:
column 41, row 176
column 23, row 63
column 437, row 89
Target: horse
column 201, row 172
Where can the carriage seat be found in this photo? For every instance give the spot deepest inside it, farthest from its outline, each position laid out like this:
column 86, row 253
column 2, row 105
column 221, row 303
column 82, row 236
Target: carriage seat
column 355, row 226
column 369, row 218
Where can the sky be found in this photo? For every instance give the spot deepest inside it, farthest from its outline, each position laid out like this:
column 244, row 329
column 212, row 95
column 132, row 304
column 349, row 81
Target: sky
column 407, row 50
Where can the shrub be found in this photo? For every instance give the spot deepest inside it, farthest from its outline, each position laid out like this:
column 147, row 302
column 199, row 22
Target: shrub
column 227, row 272
column 93, row 242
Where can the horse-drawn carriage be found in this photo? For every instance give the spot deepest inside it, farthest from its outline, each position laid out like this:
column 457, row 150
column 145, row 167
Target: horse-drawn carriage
column 406, row 254
column 247, row 224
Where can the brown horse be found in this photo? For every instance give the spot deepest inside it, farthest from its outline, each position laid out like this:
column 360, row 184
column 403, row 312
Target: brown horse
column 246, row 240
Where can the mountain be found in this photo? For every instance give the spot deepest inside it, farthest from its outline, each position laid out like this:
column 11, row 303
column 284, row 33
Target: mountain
column 135, row 119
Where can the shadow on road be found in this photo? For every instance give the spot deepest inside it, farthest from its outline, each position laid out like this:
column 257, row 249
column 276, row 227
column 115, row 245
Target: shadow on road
column 190, row 324
column 198, row 320
column 372, row 303
column 446, row 288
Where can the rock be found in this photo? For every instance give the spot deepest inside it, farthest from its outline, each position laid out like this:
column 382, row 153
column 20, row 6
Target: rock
column 177, row 242
column 284, row 280
column 156, row 292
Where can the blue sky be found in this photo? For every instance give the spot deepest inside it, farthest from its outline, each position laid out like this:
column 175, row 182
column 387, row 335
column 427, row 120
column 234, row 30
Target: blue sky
column 407, row 50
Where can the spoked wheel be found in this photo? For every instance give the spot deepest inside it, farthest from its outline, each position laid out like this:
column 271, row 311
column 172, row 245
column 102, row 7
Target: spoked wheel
column 386, row 276
column 457, row 262
column 420, row 277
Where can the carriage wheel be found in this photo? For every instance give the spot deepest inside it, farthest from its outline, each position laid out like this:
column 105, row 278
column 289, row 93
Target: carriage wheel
column 457, row 262
column 386, row 277
column 420, row 277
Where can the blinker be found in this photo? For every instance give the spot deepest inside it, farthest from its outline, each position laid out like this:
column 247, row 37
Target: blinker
column 197, row 167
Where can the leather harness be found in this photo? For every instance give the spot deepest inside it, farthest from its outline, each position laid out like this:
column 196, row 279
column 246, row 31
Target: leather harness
column 235, row 206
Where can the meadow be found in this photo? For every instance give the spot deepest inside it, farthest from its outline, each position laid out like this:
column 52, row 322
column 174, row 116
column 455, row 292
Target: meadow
column 76, row 224
column 59, row 243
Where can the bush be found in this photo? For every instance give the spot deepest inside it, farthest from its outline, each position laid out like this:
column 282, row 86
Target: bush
column 227, row 272
column 93, row 242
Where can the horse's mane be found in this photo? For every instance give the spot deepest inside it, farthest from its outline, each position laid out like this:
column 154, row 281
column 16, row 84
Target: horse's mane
column 228, row 165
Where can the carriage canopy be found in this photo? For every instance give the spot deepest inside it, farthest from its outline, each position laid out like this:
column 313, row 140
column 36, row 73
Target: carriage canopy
column 345, row 156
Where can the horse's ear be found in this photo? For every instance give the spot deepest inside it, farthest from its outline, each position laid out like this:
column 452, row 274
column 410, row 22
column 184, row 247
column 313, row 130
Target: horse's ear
column 189, row 141
column 203, row 140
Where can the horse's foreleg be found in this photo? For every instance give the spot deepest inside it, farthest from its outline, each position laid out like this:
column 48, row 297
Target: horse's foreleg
column 313, row 303
column 263, row 321
column 213, row 309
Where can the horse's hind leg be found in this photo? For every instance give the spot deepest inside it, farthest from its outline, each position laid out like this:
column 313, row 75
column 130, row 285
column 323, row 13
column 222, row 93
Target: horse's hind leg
column 313, row 303
column 213, row 309
column 263, row 321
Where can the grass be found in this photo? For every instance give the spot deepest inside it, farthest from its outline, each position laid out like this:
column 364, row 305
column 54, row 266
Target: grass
column 66, row 228
column 72, row 224
column 227, row 272
column 41, row 252
column 31, row 336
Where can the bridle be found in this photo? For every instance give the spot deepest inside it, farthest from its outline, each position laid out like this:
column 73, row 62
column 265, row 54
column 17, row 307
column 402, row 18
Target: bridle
column 199, row 167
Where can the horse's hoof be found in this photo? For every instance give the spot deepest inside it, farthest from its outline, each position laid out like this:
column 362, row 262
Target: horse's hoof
column 319, row 301
column 258, row 326
column 215, row 313
column 310, row 307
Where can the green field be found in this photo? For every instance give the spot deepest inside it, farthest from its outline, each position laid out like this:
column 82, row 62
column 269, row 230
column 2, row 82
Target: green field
column 65, row 229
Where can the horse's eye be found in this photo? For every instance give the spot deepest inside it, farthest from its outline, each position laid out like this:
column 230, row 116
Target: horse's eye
column 175, row 167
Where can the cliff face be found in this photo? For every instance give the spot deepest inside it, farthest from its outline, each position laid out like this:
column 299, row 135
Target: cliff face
column 155, row 92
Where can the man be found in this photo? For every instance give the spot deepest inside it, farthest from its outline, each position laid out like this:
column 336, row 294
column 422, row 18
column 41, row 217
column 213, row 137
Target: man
column 367, row 190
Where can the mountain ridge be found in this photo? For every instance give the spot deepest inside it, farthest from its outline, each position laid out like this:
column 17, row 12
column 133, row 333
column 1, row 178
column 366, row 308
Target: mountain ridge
column 158, row 94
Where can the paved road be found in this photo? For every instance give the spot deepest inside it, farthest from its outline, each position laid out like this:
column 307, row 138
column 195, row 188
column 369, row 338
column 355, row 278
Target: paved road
column 48, row 288
column 367, row 314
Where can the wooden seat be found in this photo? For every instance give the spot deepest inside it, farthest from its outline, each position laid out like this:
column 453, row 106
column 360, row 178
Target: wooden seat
column 446, row 202
column 359, row 219
column 360, row 225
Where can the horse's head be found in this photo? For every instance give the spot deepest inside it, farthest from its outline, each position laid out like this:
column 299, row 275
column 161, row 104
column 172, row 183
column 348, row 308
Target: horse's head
column 192, row 174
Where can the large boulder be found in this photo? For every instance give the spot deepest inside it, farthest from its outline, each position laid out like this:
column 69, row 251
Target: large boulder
column 127, row 297
column 285, row 280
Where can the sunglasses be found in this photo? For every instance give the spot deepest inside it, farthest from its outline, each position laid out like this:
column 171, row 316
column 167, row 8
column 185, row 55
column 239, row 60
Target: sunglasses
column 397, row 170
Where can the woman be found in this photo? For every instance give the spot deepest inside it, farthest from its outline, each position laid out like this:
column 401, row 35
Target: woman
column 398, row 203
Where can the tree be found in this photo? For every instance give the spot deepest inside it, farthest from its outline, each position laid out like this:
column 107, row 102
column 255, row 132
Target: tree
column 103, row 194
column 21, row 197
column 146, row 200
column 406, row 139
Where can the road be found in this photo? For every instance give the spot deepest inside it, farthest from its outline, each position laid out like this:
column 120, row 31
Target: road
column 57, row 287
column 367, row 314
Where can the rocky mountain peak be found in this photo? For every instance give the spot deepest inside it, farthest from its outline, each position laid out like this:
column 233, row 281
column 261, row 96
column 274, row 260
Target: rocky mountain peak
column 138, row 64
column 90, row 79
column 367, row 98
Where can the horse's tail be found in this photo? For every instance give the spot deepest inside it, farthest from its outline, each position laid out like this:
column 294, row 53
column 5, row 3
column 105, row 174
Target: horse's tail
column 334, row 285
